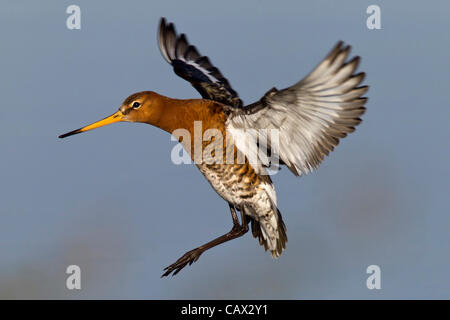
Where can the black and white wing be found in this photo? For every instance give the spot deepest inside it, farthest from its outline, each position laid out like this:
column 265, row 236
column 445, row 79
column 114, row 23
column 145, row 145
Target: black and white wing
column 310, row 116
column 191, row 66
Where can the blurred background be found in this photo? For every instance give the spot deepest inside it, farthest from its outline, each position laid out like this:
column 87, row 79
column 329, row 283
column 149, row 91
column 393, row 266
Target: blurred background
column 112, row 202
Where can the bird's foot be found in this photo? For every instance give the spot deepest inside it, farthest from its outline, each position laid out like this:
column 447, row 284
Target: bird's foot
column 188, row 258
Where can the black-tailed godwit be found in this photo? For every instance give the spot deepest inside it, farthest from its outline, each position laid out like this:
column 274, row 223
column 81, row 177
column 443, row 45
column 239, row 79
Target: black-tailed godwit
column 310, row 118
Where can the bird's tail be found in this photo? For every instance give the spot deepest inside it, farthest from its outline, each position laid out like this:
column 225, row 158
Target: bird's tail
column 272, row 239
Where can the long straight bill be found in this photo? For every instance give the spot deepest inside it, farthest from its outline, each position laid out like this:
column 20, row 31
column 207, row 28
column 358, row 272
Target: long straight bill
column 116, row 117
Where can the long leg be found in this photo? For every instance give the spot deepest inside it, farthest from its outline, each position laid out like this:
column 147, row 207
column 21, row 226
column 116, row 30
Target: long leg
column 190, row 257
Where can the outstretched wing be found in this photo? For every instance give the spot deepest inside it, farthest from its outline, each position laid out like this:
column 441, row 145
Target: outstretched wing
column 191, row 66
column 311, row 115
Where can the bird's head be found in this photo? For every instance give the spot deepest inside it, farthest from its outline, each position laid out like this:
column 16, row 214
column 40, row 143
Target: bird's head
column 143, row 106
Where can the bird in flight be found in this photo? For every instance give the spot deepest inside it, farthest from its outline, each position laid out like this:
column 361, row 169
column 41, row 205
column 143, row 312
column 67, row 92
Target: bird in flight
column 309, row 117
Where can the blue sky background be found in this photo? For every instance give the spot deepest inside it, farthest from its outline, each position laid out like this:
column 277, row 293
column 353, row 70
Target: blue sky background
column 112, row 202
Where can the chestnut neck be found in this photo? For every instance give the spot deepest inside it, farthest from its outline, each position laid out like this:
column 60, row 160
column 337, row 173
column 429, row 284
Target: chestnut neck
column 180, row 113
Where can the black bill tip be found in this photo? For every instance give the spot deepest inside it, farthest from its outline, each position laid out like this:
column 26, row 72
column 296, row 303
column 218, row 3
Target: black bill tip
column 71, row 133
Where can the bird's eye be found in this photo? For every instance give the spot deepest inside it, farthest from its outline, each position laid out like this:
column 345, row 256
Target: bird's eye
column 136, row 105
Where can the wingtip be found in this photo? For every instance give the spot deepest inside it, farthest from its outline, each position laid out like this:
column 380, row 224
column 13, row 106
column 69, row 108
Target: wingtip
column 337, row 49
column 355, row 61
column 361, row 76
column 161, row 27
column 162, row 30
column 162, row 21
